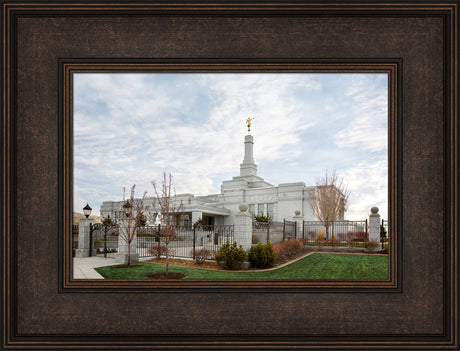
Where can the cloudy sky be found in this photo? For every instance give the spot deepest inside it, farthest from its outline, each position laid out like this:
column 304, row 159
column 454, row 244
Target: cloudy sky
column 129, row 128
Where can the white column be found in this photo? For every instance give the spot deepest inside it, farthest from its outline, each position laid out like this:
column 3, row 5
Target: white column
column 122, row 255
column 83, row 237
column 374, row 229
column 243, row 227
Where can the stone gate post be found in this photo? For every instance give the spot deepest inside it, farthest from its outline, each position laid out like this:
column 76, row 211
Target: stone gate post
column 374, row 228
column 243, row 227
column 122, row 255
column 83, row 237
column 298, row 222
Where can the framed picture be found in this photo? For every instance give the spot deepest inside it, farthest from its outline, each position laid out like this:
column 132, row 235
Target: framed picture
column 50, row 48
column 175, row 128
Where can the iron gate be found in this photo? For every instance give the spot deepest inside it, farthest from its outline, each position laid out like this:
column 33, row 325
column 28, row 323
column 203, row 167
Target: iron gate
column 210, row 237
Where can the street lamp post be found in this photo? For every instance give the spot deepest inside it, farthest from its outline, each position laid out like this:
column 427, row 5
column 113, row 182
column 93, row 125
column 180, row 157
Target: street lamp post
column 87, row 211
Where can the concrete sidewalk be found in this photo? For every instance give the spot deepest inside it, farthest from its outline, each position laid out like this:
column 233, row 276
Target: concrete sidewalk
column 83, row 268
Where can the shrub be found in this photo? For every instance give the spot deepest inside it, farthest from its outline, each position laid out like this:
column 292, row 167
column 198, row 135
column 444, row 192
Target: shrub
column 232, row 255
column 320, row 235
column 293, row 246
column 255, row 239
column 303, row 241
column 202, row 255
column 262, row 256
column 278, row 248
column 287, row 248
column 357, row 236
column 262, row 218
column 158, row 251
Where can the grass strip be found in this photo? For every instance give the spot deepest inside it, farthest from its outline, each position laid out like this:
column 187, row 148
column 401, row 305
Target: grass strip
column 316, row 266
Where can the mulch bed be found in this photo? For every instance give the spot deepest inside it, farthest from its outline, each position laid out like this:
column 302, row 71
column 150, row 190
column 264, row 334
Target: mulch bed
column 213, row 264
column 288, row 258
column 186, row 263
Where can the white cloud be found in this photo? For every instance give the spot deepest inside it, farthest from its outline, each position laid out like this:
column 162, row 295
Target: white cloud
column 128, row 129
column 368, row 186
column 368, row 128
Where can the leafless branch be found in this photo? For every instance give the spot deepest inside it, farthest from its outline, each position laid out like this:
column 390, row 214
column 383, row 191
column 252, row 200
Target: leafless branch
column 329, row 199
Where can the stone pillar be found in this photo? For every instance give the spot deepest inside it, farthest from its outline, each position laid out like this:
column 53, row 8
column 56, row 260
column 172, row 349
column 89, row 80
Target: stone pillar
column 122, row 255
column 374, row 229
column 83, row 238
column 243, row 227
column 298, row 219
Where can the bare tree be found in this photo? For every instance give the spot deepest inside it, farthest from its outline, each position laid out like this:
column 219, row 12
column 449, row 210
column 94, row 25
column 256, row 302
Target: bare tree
column 169, row 210
column 329, row 199
column 133, row 210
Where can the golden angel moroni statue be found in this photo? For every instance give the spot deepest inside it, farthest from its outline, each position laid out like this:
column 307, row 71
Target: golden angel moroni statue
column 248, row 122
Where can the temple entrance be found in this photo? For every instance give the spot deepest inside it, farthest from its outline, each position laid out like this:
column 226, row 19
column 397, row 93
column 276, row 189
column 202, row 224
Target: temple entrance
column 208, row 220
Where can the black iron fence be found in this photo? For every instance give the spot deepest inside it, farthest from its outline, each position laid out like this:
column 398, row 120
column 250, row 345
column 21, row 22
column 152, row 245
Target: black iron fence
column 212, row 237
column 340, row 230
column 384, row 232
column 151, row 240
column 274, row 231
column 384, row 229
column 289, row 230
column 102, row 239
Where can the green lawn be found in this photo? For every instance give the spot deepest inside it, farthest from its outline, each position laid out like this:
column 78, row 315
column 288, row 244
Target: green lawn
column 316, row 266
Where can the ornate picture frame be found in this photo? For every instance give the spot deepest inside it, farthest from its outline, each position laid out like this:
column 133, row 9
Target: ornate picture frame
column 416, row 43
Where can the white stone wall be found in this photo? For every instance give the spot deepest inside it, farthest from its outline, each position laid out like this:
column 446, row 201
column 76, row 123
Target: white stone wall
column 287, row 198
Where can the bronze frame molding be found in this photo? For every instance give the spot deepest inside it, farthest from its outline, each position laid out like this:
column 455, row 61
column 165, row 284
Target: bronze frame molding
column 26, row 118
column 69, row 67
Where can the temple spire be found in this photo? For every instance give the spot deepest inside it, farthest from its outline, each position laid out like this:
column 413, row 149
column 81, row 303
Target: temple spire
column 248, row 167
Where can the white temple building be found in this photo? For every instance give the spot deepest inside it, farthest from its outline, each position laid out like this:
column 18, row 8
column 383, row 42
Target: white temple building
column 277, row 201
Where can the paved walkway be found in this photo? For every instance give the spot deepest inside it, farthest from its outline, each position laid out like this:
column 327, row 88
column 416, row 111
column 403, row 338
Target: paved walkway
column 83, row 268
